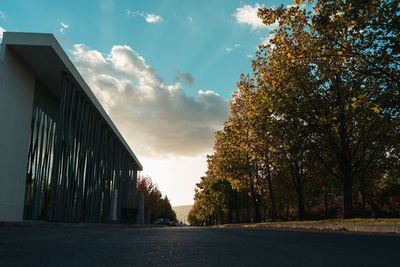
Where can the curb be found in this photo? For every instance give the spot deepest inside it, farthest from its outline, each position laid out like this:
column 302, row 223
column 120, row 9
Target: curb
column 341, row 227
column 94, row 225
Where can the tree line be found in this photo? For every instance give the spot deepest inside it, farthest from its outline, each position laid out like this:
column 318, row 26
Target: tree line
column 159, row 206
column 314, row 132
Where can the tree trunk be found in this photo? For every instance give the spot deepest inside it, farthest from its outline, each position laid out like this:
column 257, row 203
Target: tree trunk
column 237, row 215
column 300, row 205
column 363, row 203
column 237, row 207
column 345, row 154
column 326, row 202
column 256, row 204
column 297, row 180
column 271, row 196
column 362, row 192
column 287, row 211
column 248, row 209
column 347, row 199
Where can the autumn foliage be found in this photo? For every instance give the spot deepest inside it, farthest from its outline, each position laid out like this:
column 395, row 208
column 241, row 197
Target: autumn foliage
column 314, row 132
column 159, row 206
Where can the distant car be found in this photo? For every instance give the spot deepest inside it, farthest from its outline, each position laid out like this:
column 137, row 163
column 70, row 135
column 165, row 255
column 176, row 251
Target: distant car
column 176, row 223
column 162, row 221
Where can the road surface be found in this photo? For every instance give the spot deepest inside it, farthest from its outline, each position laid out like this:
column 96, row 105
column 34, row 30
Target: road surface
column 80, row 245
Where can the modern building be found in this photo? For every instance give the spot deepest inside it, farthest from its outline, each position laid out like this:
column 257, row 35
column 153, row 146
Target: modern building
column 61, row 157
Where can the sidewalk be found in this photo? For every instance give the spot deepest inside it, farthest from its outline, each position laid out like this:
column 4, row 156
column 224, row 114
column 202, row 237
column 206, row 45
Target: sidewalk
column 368, row 225
column 38, row 223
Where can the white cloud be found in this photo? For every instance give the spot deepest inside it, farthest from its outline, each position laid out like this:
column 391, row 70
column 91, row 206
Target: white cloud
column 2, row 15
column 247, row 15
column 63, row 26
column 2, row 30
column 208, row 92
column 230, row 49
column 249, row 56
column 150, row 18
column 190, row 18
column 156, row 119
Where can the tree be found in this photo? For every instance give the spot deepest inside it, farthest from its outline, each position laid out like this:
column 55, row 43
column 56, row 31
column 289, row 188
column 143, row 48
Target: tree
column 325, row 87
column 160, row 207
column 237, row 156
column 321, row 112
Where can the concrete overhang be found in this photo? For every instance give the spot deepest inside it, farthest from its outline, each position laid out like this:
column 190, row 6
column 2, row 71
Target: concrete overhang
column 47, row 60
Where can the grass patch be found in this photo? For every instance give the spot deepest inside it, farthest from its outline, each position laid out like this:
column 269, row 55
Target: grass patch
column 333, row 221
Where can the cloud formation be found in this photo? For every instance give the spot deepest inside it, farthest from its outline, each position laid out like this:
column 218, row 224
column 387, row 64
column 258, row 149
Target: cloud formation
column 247, row 15
column 230, row 49
column 63, row 26
column 2, row 15
column 190, row 18
column 156, row 118
column 149, row 17
column 2, row 30
column 152, row 18
column 186, row 77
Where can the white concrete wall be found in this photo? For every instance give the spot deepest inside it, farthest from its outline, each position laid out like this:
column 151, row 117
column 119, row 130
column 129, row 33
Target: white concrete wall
column 17, row 84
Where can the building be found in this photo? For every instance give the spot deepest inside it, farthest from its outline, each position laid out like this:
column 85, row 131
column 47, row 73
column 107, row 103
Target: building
column 61, row 157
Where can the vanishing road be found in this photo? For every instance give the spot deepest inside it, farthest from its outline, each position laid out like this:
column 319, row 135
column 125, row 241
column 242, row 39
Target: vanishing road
column 80, row 245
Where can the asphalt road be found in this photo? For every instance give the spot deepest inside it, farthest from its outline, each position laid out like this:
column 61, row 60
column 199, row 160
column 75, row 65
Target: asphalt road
column 70, row 245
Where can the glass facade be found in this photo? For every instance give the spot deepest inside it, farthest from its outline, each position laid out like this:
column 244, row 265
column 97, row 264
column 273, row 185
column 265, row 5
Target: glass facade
column 77, row 166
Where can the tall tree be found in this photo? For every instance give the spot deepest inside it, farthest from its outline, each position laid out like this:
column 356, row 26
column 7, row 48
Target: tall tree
column 320, row 84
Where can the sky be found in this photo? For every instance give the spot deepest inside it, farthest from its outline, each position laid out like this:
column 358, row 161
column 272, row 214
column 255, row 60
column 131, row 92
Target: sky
column 164, row 71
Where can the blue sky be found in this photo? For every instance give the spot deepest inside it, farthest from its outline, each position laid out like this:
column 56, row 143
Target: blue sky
column 163, row 70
